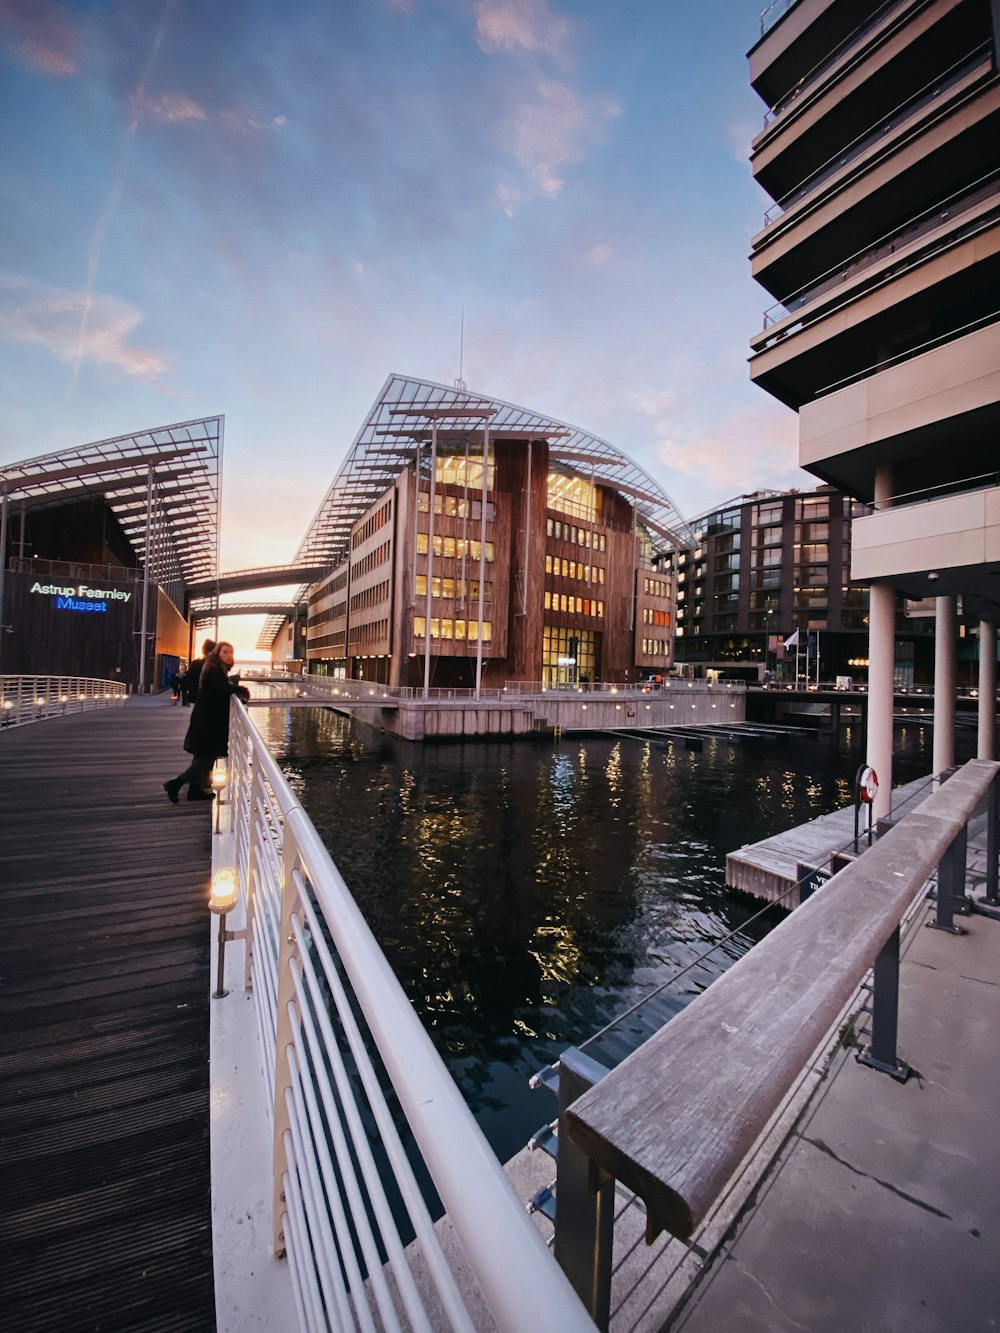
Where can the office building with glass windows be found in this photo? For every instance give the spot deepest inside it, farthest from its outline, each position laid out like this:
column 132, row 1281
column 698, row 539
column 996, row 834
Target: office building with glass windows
column 472, row 542
column 763, row 566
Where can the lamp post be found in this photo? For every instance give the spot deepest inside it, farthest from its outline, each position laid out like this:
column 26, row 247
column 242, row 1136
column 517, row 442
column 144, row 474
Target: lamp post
column 222, row 900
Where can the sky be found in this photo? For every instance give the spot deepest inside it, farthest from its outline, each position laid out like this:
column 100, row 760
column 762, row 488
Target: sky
column 263, row 209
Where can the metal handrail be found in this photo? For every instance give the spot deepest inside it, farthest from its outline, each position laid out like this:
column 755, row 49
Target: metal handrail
column 335, row 1029
column 357, row 691
column 32, row 698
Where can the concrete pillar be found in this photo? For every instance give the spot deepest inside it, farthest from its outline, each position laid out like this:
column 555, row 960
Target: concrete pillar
column 987, row 690
column 881, row 669
column 944, row 683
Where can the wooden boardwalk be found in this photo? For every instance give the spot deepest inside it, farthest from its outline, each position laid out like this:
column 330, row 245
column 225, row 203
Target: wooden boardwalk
column 105, row 1207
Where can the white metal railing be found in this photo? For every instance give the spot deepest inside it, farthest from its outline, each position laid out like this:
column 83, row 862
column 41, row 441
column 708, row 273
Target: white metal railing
column 31, row 698
column 361, row 691
column 339, row 1043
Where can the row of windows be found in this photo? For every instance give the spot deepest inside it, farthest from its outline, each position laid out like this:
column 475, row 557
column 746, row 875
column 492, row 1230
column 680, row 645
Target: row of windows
column 327, row 607
column 372, row 560
column 373, row 596
column 656, row 647
column 325, row 591
column 452, row 629
column 453, row 547
column 336, row 640
column 323, row 615
column 573, row 569
column 652, row 617
column 375, row 631
column 457, row 470
column 561, row 601
column 569, row 532
column 461, row 588
column 657, row 587
column 572, row 495
column 452, row 507
column 380, row 517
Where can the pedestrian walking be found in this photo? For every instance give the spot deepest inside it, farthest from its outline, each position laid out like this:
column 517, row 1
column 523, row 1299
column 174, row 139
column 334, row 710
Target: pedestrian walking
column 207, row 736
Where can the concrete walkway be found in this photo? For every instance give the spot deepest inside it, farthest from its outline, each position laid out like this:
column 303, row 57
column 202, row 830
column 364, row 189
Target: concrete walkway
column 882, row 1211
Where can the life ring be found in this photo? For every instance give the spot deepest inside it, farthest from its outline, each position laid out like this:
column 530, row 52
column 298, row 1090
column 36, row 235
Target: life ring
column 630, row 711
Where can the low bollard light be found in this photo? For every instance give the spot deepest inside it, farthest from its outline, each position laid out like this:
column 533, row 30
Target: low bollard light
column 222, row 900
column 220, row 780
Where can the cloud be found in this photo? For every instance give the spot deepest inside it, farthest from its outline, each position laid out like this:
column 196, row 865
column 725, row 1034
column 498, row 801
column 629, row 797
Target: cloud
column 548, row 134
column 172, row 108
column 42, row 34
column 51, row 317
column 599, row 254
column 735, row 455
column 401, row 6
column 520, row 26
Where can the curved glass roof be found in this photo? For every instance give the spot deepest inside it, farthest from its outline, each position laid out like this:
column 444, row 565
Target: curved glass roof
column 185, row 461
column 401, row 417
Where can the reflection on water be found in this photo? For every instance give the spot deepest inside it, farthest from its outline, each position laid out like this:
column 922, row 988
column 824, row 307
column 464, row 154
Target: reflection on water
column 527, row 893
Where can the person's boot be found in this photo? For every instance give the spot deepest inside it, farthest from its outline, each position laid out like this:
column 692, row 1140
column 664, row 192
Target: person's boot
column 199, row 794
column 172, row 788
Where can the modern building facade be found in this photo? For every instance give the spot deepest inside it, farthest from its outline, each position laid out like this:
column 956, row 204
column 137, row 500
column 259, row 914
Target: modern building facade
column 474, row 544
column 881, row 150
column 765, row 566
column 100, row 546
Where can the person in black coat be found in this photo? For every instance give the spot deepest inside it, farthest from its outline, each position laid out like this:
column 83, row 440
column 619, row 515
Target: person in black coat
column 189, row 681
column 207, row 736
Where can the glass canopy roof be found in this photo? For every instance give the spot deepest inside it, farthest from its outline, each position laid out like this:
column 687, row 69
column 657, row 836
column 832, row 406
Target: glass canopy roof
column 185, row 461
column 402, row 418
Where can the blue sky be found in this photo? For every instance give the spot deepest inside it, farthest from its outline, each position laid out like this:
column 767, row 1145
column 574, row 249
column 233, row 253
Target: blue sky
column 263, row 209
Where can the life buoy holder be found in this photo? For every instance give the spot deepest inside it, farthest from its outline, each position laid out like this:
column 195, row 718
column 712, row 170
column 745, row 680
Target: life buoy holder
column 630, row 711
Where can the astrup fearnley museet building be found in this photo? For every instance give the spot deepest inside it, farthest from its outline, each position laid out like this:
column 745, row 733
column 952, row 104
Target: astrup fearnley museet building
column 473, row 542
column 101, row 546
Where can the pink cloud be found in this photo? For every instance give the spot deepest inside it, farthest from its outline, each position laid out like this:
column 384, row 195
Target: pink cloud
column 548, row 134
column 52, row 317
column 520, row 26
column 43, row 35
column 172, row 108
column 750, row 448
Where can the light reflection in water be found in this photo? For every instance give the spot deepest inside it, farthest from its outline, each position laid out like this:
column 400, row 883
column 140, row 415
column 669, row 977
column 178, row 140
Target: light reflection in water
column 527, row 893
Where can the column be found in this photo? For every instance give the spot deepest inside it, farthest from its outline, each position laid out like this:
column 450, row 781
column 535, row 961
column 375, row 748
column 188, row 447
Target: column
column 987, row 690
column 881, row 667
column 944, row 683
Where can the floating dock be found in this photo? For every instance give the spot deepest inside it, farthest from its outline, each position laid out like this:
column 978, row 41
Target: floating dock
column 769, row 869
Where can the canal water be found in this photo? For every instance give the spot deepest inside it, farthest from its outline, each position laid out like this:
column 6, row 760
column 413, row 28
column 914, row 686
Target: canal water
column 528, row 893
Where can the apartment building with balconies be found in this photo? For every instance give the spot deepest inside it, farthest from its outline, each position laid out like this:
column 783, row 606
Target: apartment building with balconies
column 881, row 150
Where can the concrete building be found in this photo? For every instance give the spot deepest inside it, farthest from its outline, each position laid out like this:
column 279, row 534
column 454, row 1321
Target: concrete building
column 881, row 150
column 473, row 543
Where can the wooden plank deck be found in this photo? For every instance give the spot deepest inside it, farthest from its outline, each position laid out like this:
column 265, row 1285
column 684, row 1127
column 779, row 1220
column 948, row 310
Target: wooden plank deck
column 105, row 1207
column 767, row 869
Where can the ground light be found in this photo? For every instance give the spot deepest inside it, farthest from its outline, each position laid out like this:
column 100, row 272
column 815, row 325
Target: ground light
column 222, row 900
column 220, row 778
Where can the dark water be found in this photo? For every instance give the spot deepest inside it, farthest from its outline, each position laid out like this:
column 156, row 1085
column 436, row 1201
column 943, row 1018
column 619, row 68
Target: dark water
column 528, row 893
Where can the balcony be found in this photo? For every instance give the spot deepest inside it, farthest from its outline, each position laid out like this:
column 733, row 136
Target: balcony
column 930, row 148
column 910, row 49
column 935, row 288
column 934, row 417
column 947, row 546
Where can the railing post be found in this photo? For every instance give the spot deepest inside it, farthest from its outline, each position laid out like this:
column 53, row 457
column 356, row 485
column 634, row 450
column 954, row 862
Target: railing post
column 585, row 1199
column 951, row 885
column 881, row 1053
column 992, row 845
column 287, row 950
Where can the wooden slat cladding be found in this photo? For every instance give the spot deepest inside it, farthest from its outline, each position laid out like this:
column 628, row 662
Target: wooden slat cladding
column 105, row 1221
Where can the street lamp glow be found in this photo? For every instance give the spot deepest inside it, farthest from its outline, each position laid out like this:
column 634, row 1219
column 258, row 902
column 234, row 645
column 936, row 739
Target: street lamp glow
column 224, row 890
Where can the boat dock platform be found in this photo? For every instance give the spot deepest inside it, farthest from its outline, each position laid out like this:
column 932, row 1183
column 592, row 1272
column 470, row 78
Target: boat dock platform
column 769, row 869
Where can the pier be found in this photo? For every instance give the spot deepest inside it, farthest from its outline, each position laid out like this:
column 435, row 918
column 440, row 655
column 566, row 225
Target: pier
column 862, row 1198
column 105, row 1220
